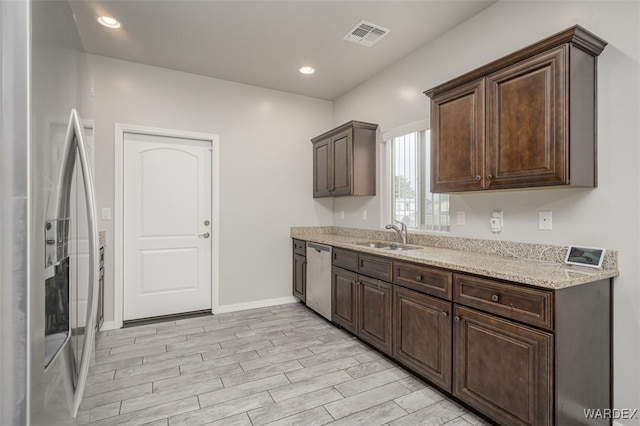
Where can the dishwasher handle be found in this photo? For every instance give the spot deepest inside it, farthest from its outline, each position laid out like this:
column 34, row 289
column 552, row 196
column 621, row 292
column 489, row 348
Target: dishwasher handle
column 319, row 247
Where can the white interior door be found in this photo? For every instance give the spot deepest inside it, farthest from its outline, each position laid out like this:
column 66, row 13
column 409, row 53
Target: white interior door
column 167, row 225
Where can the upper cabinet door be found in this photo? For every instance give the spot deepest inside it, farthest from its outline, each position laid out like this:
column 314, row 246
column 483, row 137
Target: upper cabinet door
column 457, row 139
column 344, row 161
column 527, row 104
column 321, row 169
column 342, row 156
column 525, row 120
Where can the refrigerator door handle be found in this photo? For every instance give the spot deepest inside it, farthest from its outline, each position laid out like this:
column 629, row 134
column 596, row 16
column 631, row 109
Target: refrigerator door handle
column 75, row 142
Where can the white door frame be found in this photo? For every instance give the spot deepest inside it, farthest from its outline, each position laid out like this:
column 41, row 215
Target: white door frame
column 118, row 214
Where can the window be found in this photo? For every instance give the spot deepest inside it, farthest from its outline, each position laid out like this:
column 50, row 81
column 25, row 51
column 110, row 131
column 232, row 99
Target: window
column 412, row 202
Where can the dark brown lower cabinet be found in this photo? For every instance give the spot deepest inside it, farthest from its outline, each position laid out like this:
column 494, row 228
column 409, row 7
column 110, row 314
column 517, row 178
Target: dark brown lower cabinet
column 300, row 269
column 503, row 369
column 344, row 297
column 375, row 305
column 300, row 276
column 422, row 335
column 518, row 354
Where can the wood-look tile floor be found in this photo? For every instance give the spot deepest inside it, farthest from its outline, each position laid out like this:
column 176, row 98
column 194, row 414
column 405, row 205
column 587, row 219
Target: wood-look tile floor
column 282, row 365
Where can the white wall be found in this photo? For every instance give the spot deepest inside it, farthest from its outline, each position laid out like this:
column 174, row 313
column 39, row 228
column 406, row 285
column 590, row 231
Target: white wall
column 607, row 216
column 265, row 162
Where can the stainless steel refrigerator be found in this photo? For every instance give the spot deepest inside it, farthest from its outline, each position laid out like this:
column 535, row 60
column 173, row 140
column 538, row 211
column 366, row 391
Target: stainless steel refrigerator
column 48, row 235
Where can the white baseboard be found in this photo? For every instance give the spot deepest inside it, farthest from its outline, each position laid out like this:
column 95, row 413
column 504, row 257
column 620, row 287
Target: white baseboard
column 111, row 325
column 254, row 305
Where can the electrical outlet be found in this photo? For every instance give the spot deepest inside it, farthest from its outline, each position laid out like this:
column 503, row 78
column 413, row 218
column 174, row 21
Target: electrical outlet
column 496, row 221
column 364, row 215
column 341, row 214
column 545, row 221
column 461, row 218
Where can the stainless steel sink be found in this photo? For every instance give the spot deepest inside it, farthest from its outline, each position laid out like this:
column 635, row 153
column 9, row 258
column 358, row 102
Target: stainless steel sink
column 389, row 246
column 375, row 245
column 400, row 247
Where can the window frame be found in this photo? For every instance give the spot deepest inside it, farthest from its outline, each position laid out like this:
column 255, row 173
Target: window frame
column 423, row 171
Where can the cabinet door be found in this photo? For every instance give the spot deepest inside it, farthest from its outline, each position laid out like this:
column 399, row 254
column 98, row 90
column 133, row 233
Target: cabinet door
column 321, row 168
column 527, row 103
column 503, row 369
column 375, row 305
column 344, row 298
column 300, row 276
column 422, row 335
column 458, row 139
column 342, row 164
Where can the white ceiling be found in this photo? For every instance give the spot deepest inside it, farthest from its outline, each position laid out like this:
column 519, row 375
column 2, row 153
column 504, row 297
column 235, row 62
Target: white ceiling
column 264, row 43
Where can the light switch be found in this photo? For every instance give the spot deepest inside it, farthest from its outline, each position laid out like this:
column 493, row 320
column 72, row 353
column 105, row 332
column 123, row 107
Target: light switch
column 106, row 213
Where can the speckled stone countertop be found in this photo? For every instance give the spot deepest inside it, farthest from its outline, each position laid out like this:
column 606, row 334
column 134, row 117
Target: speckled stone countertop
column 533, row 264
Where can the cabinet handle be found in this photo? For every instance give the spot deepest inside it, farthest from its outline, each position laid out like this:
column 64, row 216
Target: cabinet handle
column 494, row 297
column 478, row 178
column 444, row 314
column 418, row 278
column 456, row 318
column 490, row 176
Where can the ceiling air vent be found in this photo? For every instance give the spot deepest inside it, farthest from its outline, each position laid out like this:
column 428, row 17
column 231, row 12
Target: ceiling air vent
column 366, row 34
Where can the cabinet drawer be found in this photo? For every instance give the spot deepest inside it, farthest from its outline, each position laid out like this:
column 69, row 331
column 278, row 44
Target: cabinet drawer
column 375, row 266
column 423, row 279
column 300, row 247
column 525, row 304
column 346, row 259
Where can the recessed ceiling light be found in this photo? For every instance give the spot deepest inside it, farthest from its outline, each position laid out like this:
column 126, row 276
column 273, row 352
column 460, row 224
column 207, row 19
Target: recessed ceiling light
column 109, row 22
column 307, row 70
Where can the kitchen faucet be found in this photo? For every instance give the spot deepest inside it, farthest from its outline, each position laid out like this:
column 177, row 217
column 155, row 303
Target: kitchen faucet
column 402, row 231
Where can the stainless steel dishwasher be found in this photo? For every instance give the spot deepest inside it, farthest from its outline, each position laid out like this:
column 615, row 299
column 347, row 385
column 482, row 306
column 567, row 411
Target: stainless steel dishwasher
column 319, row 278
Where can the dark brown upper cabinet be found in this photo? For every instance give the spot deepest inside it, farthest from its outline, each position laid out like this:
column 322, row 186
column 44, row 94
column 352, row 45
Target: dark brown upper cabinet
column 526, row 120
column 344, row 161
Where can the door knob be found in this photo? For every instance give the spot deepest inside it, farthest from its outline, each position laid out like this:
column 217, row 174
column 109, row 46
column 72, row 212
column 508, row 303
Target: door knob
column 205, row 235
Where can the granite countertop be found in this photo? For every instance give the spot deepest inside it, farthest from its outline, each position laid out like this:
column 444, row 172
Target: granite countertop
column 537, row 265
